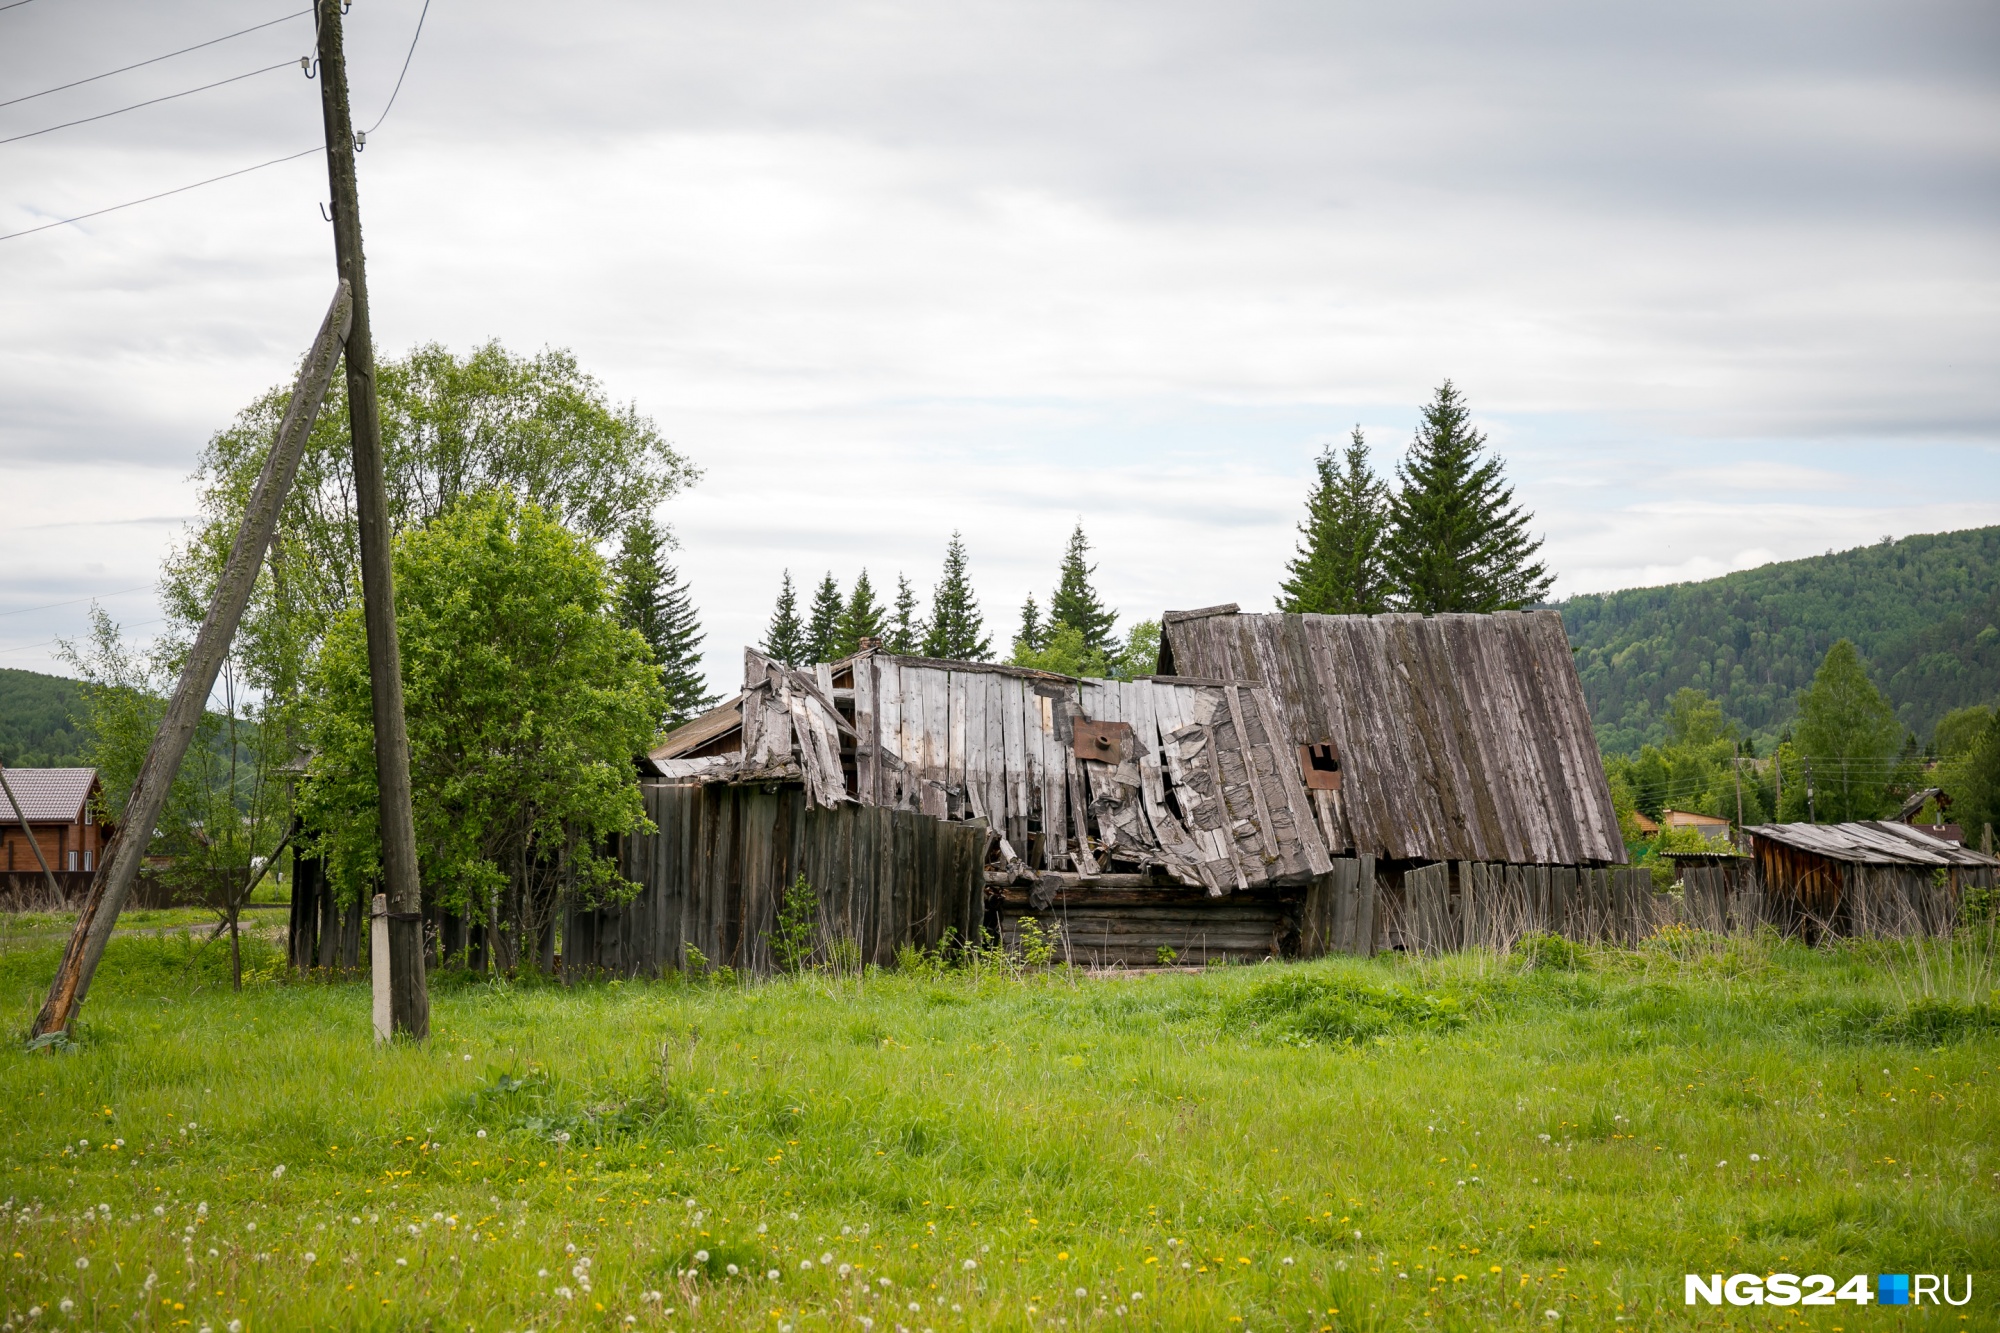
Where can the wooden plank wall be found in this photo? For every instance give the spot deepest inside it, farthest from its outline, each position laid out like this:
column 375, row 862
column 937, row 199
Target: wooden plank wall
column 713, row 874
column 1461, row 737
column 1446, row 906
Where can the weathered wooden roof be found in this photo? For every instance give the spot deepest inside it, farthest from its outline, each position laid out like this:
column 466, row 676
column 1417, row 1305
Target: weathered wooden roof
column 699, row 731
column 1872, row 842
column 1461, row 737
column 1204, row 784
column 48, row 795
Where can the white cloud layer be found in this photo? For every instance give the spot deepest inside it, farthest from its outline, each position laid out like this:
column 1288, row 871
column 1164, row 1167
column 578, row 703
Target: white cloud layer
column 1719, row 280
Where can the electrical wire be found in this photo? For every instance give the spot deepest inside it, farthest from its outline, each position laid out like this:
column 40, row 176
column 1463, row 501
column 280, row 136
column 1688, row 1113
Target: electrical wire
column 151, row 101
column 24, row 610
column 124, row 69
column 16, row 5
column 64, row 222
column 406, row 68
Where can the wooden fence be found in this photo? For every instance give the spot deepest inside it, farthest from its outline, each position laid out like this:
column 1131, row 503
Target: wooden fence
column 1448, row 905
column 714, row 874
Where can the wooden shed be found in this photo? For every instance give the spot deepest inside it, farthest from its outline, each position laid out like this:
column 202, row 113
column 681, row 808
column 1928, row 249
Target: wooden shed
column 1873, row 878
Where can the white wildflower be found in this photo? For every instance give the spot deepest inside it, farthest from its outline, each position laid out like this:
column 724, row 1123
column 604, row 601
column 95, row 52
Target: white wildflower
column 278, row 1171
column 969, row 1265
column 701, row 1256
column 82, row 1262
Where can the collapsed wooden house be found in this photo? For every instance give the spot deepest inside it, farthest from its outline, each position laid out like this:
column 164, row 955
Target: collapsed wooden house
column 1267, row 800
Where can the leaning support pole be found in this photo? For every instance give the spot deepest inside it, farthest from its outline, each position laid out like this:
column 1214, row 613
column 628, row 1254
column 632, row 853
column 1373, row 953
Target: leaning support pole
column 120, row 864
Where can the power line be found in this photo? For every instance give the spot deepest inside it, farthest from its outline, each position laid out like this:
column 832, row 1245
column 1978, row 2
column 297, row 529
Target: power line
column 406, row 69
column 16, row 5
column 23, row 610
column 152, row 101
column 123, row 69
column 162, row 194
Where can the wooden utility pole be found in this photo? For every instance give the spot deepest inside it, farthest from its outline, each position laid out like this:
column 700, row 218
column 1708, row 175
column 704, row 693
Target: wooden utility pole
column 410, row 1006
column 1737, row 766
column 120, row 863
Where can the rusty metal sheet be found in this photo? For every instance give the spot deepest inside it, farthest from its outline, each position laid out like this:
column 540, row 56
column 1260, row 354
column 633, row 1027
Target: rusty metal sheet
column 1110, row 742
column 1319, row 766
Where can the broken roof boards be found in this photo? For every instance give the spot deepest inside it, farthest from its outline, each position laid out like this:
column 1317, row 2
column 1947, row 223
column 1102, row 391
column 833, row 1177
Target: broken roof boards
column 1192, row 777
column 1460, row 737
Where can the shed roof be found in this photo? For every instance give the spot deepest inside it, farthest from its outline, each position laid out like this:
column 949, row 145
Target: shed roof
column 1460, row 736
column 1872, row 842
column 699, row 731
column 48, row 795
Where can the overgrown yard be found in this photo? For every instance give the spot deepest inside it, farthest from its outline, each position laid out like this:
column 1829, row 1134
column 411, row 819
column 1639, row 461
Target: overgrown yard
column 1343, row 1144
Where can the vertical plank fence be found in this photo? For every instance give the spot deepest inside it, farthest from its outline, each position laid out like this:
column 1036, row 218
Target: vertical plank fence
column 714, row 874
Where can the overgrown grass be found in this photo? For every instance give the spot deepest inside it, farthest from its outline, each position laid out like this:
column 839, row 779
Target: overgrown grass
column 1453, row 1144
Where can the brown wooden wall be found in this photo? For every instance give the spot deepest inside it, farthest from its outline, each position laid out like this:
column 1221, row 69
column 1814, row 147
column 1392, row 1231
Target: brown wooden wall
column 713, row 875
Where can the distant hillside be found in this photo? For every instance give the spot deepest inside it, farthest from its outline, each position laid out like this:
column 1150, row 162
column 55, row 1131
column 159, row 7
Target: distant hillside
column 36, row 730
column 1925, row 612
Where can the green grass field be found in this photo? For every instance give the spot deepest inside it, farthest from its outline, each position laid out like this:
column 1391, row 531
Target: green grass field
column 1465, row 1144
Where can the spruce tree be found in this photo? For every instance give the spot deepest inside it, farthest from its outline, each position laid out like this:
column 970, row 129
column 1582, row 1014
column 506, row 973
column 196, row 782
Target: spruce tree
column 1032, row 637
column 860, row 619
column 823, row 621
column 1075, row 603
column 1338, row 570
column 906, row 627
column 652, row 600
column 956, row 630
column 785, row 640
column 1457, row 541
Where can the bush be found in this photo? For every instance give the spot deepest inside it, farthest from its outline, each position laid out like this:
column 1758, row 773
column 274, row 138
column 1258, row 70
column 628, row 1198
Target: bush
column 1540, row 948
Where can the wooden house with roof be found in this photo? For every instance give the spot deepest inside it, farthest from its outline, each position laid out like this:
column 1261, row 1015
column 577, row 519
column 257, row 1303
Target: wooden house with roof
column 1268, row 793
column 58, row 807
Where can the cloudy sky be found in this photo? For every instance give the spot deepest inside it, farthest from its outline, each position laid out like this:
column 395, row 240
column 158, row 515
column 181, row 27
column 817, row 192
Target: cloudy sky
column 1721, row 280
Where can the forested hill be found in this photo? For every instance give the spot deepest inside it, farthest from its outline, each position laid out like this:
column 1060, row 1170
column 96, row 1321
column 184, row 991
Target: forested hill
column 37, row 720
column 1925, row 612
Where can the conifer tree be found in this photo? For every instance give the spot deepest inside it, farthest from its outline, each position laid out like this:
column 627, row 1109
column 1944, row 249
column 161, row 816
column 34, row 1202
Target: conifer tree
column 860, row 619
column 956, row 630
column 1032, row 637
column 1075, row 603
column 906, row 628
column 1457, row 541
column 1338, row 569
column 653, row 600
column 823, row 621
column 785, row 640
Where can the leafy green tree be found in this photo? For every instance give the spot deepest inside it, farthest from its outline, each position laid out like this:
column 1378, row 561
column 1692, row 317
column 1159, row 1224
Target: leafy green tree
column 653, row 601
column 1959, row 730
column 526, row 701
column 1694, row 770
column 862, row 618
column 906, row 626
column 1075, row 601
column 785, row 639
column 1971, row 778
column 956, row 631
column 226, row 807
column 536, row 427
column 1457, row 541
column 1064, row 651
column 1848, row 735
column 1339, row 566
column 38, row 721
column 823, row 621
